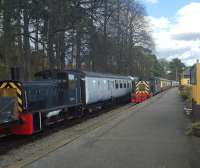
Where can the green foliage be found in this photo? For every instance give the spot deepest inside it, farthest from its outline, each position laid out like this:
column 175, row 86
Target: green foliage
column 158, row 69
column 166, row 69
column 193, row 128
column 176, row 67
column 186, row 94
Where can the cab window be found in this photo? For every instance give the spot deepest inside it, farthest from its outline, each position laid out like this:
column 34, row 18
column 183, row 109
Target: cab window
column 72, row 81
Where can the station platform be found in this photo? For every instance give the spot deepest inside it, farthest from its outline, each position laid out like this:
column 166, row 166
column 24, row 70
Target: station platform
column 151, row 135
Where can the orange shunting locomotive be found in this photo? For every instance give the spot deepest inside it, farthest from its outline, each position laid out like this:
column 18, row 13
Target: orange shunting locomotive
column 142, row 92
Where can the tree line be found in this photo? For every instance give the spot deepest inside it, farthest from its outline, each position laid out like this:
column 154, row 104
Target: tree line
column 95, row 35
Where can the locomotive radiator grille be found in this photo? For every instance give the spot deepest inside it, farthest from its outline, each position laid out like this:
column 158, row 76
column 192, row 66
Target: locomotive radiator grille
column 142, row 87
column 17, row 87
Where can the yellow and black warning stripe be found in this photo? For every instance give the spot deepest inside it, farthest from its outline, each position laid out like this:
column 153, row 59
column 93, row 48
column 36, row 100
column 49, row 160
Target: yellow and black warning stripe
column 142, row 87
column 18, row 87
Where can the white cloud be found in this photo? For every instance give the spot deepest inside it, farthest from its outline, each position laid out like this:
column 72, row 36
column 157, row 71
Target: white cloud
column 179, row 37
column 159, row 23
column 152, row 1
column 188, row 19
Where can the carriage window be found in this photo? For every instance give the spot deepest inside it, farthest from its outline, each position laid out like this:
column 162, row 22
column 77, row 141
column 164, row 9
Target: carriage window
column 124, row 85
column 116, row 85
column 72, row 81
column 120, row 85
column 94, row 82
column 99, row 84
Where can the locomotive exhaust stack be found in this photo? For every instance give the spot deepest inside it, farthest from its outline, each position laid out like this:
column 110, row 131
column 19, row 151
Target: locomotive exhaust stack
column 15, row 73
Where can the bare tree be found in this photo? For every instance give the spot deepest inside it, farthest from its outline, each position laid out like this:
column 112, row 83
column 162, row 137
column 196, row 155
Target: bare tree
column 98, row 35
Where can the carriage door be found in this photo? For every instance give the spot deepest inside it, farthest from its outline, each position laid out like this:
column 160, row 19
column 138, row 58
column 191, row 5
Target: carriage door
column 82, row 85
column 110, row 87
column 72, row 89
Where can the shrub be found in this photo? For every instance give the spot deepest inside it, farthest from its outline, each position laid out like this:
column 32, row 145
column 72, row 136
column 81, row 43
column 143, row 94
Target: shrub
column 186, row 94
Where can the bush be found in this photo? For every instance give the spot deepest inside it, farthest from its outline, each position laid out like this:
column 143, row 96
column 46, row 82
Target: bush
column 188, row 103
column 186, row 94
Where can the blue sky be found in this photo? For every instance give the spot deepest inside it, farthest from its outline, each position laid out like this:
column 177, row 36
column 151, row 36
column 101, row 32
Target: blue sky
column 166, row 8
column 175, row 28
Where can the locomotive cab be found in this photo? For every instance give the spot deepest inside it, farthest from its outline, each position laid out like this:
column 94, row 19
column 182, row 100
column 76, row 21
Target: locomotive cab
column 29, row 106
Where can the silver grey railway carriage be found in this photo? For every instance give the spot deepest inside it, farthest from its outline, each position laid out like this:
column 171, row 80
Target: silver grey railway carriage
column 102, row 88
